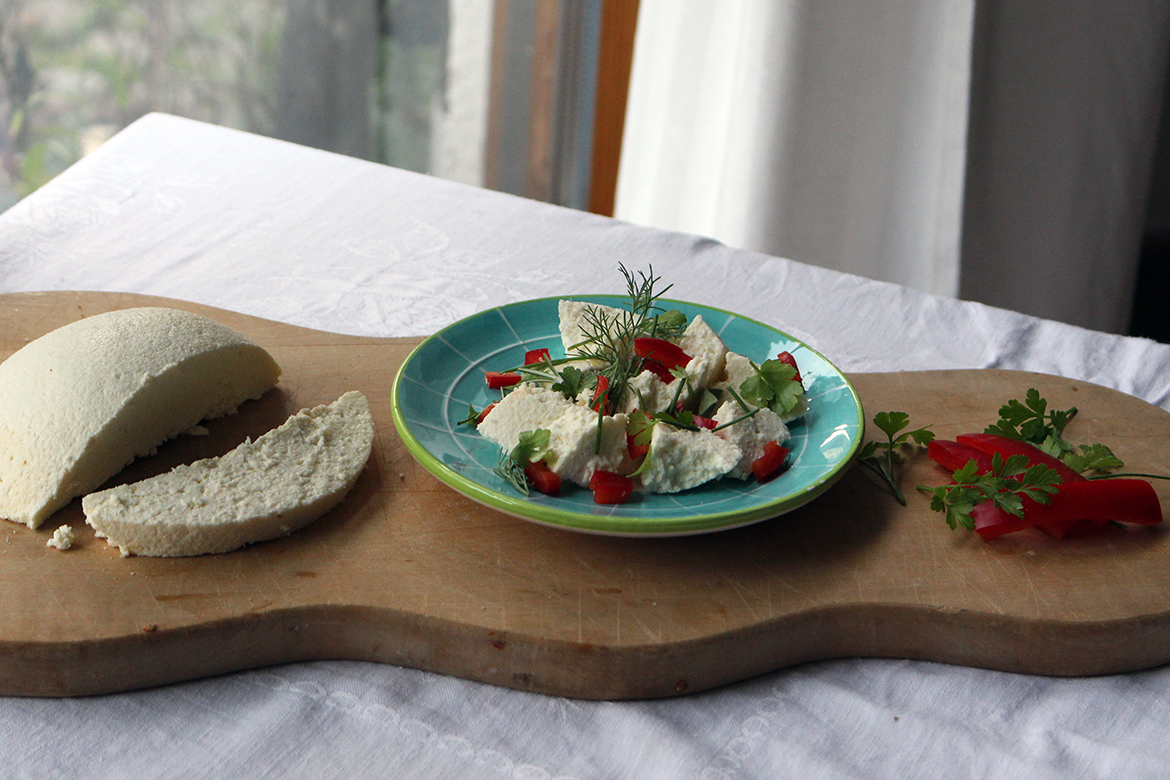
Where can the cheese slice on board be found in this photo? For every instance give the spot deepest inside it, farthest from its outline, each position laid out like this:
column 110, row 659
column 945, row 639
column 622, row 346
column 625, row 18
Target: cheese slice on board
column 261, row 490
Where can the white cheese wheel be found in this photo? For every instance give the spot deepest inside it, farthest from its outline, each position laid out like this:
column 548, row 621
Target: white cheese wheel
column 261, row 490
column 81, row 402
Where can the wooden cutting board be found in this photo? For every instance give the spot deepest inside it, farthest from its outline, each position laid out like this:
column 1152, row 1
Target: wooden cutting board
column 406, row 571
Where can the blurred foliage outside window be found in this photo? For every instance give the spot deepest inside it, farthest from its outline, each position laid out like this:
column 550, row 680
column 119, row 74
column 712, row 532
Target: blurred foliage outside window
column 360, row 77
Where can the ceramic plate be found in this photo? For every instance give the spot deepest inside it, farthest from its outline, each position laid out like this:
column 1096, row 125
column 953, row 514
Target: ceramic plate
column 446, row 373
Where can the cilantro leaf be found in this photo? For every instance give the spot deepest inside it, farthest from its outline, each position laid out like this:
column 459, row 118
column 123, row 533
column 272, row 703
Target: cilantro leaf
column 1006, row 486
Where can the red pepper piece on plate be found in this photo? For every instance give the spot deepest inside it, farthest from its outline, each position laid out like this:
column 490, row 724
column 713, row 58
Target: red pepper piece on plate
column 543, row 478
column 658, row 369
column 705, row 422
column 534, row 356
column 600, row 394
column 610, row 487
column 787, row 359
column 992, row 443
column 498, row 379
column 483, row 415
column 953, row 456
column 667, row 353
column 771, row 462
column 636, row 450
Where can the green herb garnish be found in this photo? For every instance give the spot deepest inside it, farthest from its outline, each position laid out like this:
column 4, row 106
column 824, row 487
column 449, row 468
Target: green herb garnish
column 1005, row 486
column 891, row 423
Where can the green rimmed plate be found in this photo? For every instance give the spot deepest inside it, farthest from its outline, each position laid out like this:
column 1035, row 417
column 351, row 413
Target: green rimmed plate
column 445, row 373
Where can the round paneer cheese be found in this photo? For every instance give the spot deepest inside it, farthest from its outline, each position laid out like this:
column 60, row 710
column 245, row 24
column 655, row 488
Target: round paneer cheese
column 81, row 402
column 261, row 490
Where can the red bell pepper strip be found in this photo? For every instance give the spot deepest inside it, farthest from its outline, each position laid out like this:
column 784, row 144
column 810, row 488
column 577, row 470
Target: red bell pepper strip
column 953, row 456
column 668, row 354
column 992, row 522
column 1102, row 501
column 636, row 450
column 659, row 370
column 787, row 359
column 483, row 415
column 1095, row 502
column 610, row 487
column 534, row 356
column 771, row 462
column 543, row 478
column 992, row 443
column 498, row 379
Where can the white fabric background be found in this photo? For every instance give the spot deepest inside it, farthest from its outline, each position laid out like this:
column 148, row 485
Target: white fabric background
column 173, row 207
column 857, row 136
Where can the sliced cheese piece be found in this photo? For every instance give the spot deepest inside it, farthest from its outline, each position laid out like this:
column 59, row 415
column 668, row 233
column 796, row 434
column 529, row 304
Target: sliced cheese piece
column 578, row 320
column 681, row 459
column 262, row 489
column 573, row 444
column 527, row 408
column 81, row 402
column 708, row 353
column 749, row 435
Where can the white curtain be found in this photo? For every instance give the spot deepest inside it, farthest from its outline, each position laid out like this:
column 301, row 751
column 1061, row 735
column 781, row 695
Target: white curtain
column 837, row 132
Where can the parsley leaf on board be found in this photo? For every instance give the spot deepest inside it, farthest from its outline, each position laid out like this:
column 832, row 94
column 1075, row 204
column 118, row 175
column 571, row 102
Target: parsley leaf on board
column 891, row 424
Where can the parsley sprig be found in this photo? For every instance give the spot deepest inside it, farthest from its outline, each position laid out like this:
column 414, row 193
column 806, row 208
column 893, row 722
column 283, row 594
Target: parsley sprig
column 1005, row 486
column 891, row 424
column 773, row 386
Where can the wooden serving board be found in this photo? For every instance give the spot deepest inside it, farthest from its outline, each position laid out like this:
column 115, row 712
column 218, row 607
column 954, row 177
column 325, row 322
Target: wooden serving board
column 406, row 571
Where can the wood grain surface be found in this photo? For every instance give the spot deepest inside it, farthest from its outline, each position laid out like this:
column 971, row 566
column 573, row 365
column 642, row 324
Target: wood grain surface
column 406, row 571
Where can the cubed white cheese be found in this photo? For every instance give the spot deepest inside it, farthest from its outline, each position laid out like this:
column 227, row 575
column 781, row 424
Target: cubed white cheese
column 573, row 444
column 574, row 322
column 749, row 435
column 527, row 408
column 655, row 394
column 681, row 459
column 708, row 353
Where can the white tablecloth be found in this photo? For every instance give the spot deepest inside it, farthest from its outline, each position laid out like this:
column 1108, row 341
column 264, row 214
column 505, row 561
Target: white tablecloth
column 181, row 209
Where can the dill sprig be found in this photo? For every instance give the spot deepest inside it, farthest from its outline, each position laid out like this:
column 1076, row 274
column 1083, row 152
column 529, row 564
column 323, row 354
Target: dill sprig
column 609, row 336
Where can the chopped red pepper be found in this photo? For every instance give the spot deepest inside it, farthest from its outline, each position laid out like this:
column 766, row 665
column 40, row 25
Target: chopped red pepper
column 636, row 450
column 705, row 422
column 610, row 487
column 483, row 415
column 659, row 370
column 543, row 478
column 771, row 462
column 787, row 359
column 953, row 456
column 668, row 354
column 533, row 356
column 992, row 443
column 498, row 379
column 600, row 394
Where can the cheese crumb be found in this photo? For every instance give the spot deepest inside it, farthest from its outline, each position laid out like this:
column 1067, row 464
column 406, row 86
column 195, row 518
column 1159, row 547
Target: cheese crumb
column 62, row 538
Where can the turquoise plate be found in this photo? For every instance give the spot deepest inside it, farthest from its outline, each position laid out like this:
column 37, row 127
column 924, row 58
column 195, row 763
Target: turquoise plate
column 445, row 373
